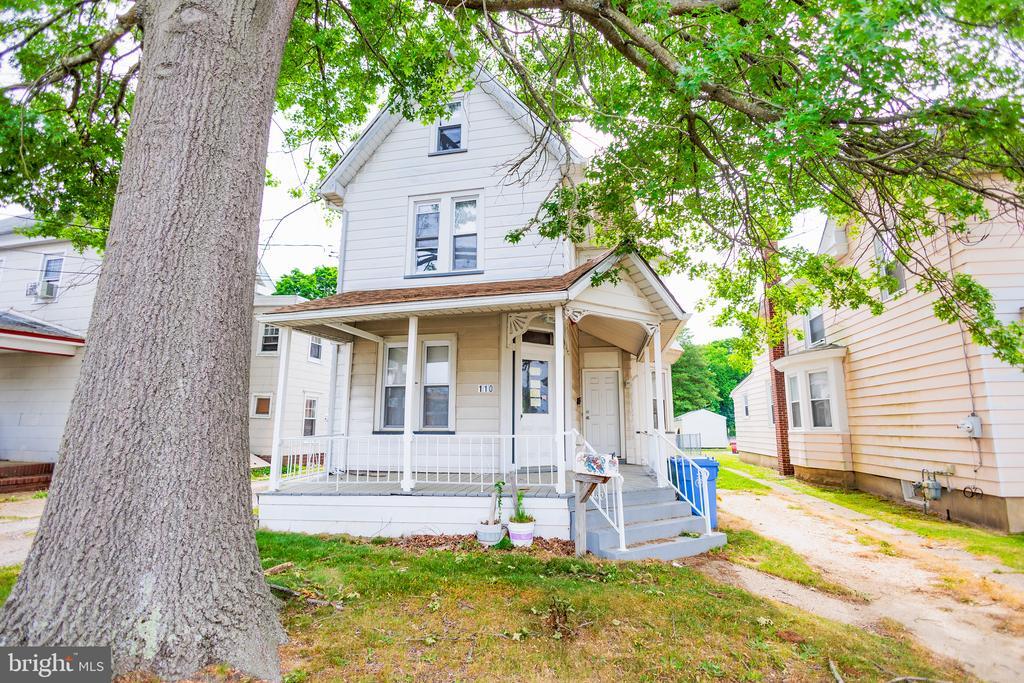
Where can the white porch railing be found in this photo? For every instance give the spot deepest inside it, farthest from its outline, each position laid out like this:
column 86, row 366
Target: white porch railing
column 459, row 459
column 689, row 479
column 607, row 497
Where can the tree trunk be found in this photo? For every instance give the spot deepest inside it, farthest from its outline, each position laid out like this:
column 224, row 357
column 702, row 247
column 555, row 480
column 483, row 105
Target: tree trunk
column 147, row 542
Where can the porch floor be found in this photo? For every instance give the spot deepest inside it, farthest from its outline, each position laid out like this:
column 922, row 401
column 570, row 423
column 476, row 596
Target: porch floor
column 634, row 478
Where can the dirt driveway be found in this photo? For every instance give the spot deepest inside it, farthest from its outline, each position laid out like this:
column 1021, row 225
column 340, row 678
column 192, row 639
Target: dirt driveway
column 954, row 603
column 18, row 521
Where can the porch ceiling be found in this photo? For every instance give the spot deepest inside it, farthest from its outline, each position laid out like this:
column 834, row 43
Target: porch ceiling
column 625, row 334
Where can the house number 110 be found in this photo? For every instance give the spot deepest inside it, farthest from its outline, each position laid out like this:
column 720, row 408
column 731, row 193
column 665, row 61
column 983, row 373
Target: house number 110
column 485, row 388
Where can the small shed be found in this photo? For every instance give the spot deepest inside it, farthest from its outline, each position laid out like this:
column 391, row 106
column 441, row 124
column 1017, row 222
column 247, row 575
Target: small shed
column 710, row 426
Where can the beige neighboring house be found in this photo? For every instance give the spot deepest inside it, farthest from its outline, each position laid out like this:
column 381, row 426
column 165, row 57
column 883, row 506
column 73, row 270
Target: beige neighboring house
column 46, row 295
column 882, row 402
column 472, row 359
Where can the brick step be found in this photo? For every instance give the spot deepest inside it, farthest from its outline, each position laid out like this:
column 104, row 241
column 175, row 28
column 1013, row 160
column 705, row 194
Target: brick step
column 10, row 468
column 36, row 482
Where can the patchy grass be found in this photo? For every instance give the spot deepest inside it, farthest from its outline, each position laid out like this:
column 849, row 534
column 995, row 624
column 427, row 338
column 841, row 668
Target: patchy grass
column 778, row 559
column 1007, row 548
column 882, row 546
column 8, row 575
column 730, row 481
column 40, row 495
column 259, row 473
column 489, row 615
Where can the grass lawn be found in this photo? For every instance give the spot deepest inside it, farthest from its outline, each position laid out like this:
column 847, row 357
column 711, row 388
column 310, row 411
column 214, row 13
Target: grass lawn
column 771, row 557
column 8, row 575
column 468, row 614
column 1007, row 548
column 730, row 481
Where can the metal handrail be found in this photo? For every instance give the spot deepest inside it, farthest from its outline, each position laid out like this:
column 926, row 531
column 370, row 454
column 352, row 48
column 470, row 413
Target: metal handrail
column 608, row 502
column 703, row 507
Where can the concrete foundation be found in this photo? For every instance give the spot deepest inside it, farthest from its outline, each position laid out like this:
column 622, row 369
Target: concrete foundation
column 818, row 475
column 769, row 461
column 994, row 512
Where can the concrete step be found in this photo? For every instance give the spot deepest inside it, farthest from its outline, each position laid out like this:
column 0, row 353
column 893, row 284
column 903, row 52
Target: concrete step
column 666, row 549
column 642, row 532
column 638, row 513
column 648, row 496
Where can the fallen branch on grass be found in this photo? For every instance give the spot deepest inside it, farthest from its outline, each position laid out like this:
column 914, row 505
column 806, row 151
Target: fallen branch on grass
column 315, row 601
column 278, row 568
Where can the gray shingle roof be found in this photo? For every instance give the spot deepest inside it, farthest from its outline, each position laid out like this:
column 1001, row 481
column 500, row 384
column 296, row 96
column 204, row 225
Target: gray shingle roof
column 12, row 321
column 9, row 225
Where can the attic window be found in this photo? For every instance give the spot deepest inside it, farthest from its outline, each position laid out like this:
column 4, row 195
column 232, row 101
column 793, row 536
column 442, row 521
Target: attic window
column 449, row 133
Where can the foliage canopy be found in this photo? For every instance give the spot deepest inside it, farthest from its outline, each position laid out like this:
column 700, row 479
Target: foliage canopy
column 726, row 118
column 323, row 281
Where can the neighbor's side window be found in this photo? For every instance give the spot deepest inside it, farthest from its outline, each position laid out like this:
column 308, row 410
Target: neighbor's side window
column 309, row 417
column 746, row 405
column 450, row 133
column 436, row 385
column 793, row 385
column 261, row 405
column 815, row 327
column 821, row 399
column 396, row 360
column 270, row 339
column 888, row 265
column 316, row 348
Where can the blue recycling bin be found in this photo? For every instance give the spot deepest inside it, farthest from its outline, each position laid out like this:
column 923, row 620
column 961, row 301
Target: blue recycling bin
column 685, row 479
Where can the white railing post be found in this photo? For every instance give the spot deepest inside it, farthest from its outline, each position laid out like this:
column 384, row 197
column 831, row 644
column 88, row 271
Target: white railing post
column 276, row 459
column 411, row 367
column 559, row 399
column 621, row 513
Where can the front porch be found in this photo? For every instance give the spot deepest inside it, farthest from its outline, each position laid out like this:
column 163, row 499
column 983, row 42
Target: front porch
column 444, row 391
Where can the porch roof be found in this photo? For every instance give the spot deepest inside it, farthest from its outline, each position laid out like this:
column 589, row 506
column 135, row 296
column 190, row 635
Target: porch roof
column 21, row 332
column 331, row 316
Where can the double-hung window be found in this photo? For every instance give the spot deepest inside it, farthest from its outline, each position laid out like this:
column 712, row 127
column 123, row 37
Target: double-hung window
column 396, row 364
column 445, row 235
column 436, row 385
column 815, row 327
column 889, row 266
column 821, row 399
column 309, row 417
column 316, row 349
column 270, row 339
column 436, row 377
column 746, row 405
column 450, row 132
column 793, row 385
column 53, row 267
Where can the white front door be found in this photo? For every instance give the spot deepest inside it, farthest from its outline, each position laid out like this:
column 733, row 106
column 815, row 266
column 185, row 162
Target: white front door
column 534, row 394
column 601, row 416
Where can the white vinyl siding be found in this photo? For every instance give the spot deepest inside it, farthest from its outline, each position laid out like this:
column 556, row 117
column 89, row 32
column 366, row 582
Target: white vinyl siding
column 377, row 247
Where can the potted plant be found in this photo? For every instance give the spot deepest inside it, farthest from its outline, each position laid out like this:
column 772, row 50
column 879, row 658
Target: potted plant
column 520, row 525
column 489, row 531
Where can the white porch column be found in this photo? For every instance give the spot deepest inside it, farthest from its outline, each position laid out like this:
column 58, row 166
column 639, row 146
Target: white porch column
column 276, row 459
column 558, row 398
column 412, row 365
column 659, row 396
column 332, row 401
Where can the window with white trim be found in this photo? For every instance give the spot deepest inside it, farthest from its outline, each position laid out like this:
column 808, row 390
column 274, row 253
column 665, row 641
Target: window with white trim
column 815, row 327
column 793, row 387
column 450, row 132
column 316, row 349
column 309, row 417
column 445, row 235
column 437, row 385
column 270, row 339
column 53, row 267
column 437, row 378
column 746, row 405
column 821, row 399
column 888, row 265
column 396, row 364
column 261, row 405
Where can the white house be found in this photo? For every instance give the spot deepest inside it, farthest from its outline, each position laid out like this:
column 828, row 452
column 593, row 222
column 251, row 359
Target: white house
column 46, row 295
column 471, row 359
column 710, row 426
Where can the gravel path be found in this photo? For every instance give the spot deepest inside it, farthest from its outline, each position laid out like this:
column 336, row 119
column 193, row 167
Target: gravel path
column 979, row 622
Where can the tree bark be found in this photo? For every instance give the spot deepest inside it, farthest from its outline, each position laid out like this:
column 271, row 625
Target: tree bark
column 147, row 542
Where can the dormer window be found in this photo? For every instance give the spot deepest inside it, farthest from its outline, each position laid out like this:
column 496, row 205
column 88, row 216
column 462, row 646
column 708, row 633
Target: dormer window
column 450, row 132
